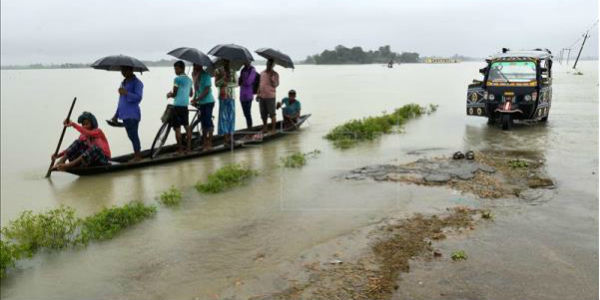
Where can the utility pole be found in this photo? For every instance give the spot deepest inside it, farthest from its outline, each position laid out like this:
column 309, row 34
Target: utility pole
column 568, row 55
column 561, row 56
column 580, row 49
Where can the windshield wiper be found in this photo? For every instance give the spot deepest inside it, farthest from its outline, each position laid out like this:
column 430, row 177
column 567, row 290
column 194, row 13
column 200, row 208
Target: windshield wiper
column 503, row 76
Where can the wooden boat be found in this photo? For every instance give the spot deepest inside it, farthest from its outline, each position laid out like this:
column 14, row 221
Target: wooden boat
column 169, row 152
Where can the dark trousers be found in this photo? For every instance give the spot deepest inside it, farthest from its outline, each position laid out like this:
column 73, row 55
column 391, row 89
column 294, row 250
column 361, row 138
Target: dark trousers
column 206, row 116
column 131, row 126
column 91, row 155
column 246, row 107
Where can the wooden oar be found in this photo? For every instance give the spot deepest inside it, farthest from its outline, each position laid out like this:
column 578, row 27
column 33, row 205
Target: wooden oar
column 62, row 135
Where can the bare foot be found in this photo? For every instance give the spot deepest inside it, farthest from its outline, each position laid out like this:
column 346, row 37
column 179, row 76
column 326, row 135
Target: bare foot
column 135, row 159
column 59, row 167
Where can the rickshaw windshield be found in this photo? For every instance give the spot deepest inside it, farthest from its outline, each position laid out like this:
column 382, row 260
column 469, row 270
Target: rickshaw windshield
column 512, row 71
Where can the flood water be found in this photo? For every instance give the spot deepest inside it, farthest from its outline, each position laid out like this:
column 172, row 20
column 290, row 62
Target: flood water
column 208, row 246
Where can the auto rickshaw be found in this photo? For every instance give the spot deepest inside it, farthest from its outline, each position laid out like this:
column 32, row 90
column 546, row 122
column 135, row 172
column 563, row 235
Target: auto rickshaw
column 517, row 85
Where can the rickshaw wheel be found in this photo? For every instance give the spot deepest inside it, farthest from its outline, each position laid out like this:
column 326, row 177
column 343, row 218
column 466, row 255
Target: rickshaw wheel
column 160, row 139
column 544, row 119
column 507, row 121
column 491, row 120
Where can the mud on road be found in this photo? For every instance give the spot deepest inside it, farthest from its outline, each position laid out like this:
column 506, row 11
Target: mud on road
column 492, row 174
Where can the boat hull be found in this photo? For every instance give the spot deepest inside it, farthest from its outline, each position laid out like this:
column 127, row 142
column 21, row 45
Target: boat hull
column 168, row 154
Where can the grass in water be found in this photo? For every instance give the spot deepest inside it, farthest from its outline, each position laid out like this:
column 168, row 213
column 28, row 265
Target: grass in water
column 9, row 254
column 54, row 229
column 110, row 221
column 459, row 255
column 355, row 131
column 432, row 108
column 171, row 197
column 298, row 159
column 518, row 164
column 60, row 228
column 225, row 178
column 486, row 214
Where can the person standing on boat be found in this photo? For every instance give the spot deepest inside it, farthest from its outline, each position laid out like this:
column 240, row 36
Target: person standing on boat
column 90, row 149
column 269, row 80
column 128, row 110
column 226, row 81
column 248, row 76
column 181, row 93
column 205, row 102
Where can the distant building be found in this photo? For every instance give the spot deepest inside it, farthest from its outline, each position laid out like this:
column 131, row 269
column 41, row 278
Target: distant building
column 439, row 60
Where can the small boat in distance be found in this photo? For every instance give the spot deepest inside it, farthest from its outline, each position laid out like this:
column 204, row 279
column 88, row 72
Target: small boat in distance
column 169, row 152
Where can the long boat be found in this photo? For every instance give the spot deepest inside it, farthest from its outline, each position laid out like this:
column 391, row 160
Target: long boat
column 169, row 152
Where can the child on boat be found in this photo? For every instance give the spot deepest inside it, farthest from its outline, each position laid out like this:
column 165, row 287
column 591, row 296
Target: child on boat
column 90, row 149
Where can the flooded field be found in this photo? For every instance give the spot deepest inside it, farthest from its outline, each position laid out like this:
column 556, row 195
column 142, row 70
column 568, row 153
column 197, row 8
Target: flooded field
column 252, row 240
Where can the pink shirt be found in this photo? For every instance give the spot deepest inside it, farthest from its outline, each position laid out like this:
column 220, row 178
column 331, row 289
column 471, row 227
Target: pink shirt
column 94, row 137
column 268, row 82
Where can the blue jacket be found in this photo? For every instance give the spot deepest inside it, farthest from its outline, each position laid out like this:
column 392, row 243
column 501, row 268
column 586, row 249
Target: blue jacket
column 129, row 104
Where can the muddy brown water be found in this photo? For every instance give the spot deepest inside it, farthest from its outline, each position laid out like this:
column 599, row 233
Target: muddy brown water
column 208, row 247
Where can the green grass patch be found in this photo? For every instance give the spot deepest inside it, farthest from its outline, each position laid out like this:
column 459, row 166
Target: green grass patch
column 365, row 129
column 298, row 159
column 9, row 254
column 171, row 197
column 110, row 221
column 225, row 178
column 54, row 229
column 60, row 228
column 459, row 255
column 517, row 164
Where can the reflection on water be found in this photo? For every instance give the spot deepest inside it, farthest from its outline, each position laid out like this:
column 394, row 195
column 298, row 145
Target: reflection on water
column 211, row 241
column 523, row 137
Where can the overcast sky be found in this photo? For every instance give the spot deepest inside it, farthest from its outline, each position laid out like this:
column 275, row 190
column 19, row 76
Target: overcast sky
column 56, row 31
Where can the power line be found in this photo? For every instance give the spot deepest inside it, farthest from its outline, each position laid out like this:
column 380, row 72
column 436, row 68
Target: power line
column 584, row 36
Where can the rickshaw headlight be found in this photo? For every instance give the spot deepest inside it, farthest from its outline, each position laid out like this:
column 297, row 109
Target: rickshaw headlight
column 491, row 97
column 527, row 97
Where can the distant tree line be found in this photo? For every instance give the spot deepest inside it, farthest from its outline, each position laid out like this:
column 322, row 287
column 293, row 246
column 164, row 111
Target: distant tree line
column 356, row 55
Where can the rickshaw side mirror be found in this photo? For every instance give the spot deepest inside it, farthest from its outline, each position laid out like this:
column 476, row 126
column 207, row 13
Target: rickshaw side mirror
column 483, row 70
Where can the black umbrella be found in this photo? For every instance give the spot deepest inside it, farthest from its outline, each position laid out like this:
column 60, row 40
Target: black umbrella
column 220, row 62
column 279, row 58
column 115, row 62
column 192, row 55
column 232, row 52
